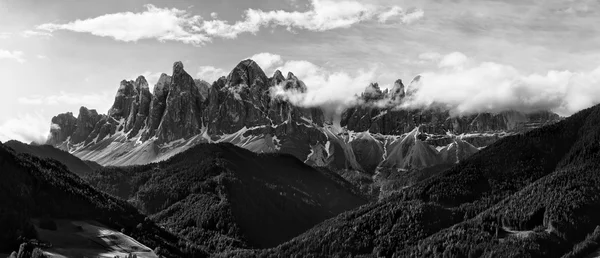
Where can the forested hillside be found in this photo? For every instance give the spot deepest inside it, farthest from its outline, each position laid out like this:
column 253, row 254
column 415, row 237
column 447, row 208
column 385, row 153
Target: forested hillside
column 31, row 187
column 530, row 195
column 227, row 197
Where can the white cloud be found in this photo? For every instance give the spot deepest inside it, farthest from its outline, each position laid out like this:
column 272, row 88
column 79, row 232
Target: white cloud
column 14, row 55
column 398, row 12
column 5, row 35
column 26, row 128
column 42, row 57
column 214, row 15
column 162, row 24
column 210, row 74
column 455, row 59
column 493, row 87
column 31, row 33
column 166, row 24
column 69, row 99
column 411, row 17
column 333, row 91
column 267, row 61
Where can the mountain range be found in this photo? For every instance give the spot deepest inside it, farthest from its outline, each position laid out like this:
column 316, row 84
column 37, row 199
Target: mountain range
column 380, row 143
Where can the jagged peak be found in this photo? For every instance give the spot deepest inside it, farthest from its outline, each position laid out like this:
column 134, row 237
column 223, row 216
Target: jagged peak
column 291, row 76
column 177, row 67
column 278, row 75
column 247, row 72
column 161, row 84
column 141, row 82
column 126, row 88
column 85, row 110
column 417, row 79
column 398, row 90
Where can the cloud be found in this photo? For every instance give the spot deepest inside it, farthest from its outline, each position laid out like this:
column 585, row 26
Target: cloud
column 455, row 59
column 405, row 17
column 493, row 87
column 411, row 17
column 26, row 128
column 162, row 24
column 332, row 91
column 42, row 57
column 214, row 15
column 5, row 35
column 210, row 74
column 68, row 99
column 173, row 24
column 267, row 61
column 31, row 33
column 14, row 55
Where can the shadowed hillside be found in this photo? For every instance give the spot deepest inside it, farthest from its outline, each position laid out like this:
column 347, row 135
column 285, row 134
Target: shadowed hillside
column 44, row 188
column 227, row 197
column 74, row 164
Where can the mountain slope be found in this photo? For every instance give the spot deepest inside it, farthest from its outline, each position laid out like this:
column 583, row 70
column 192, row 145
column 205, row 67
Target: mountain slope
column 548, row 176
column 74, row 164
column 43, row 188
column 227, row 197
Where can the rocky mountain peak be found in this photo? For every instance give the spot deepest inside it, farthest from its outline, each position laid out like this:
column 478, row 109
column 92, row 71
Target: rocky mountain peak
column 293, row 83
column 414, row 84
column 183, row 106
column 141, row 83
column 63, row 126
column 248, row 73
column 372, row 92
column 122, row 104
column 86, row 121
column 398, row 91
column 291, row 76
column 177, row 67
column 277, row 78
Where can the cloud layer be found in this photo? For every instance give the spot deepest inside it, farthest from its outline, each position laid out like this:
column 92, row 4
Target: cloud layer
column 173, row 24
column 333, row 91
column 459, row 84
column 465, row 87
column 12, row 55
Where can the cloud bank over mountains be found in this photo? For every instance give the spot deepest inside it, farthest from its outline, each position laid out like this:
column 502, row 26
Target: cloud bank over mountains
column 459, row 85
column 173, row 24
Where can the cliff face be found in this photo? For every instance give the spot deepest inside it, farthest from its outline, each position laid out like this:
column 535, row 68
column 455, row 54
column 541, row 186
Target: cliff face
column 143, row 127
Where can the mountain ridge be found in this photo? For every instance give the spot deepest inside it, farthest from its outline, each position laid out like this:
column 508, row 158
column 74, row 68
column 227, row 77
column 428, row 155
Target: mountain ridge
column 142, row 127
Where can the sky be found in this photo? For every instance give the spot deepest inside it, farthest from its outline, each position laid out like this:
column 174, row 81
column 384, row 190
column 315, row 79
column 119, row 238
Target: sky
column 473, row 55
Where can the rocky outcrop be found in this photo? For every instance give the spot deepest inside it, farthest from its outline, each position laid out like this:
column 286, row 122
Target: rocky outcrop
column 183, row 111
column 86, row 122
column 63, row 126
column 126, row 94
column 140, row 107
column 243, row 100
column 158, row 105
column 203, row 86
